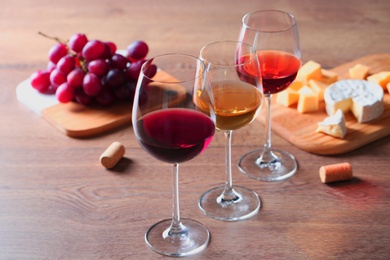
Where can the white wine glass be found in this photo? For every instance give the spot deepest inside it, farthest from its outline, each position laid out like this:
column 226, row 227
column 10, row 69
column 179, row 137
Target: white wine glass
column 236, row 98
column 169, row 127
column 275, row 36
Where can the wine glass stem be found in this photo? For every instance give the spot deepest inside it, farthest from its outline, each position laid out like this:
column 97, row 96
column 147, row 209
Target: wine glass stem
column 229, row 195
column 228, row 150
column 267, row 141
column 177, row 228
column 267, row 156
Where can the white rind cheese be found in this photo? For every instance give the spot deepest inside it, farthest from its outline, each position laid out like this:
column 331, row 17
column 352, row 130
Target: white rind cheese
column 363, row 98
column 333, row 125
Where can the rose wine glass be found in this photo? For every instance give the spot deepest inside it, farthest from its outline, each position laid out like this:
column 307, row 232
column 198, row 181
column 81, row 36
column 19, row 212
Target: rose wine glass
column 236, row 97
column 274, row 34
column 170, row 128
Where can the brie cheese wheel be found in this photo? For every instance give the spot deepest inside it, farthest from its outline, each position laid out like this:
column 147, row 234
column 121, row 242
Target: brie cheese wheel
column 333, row 125
column 363, row 98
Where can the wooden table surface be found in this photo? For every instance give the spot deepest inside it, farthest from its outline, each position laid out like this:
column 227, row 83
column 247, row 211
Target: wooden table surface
column 58, row 202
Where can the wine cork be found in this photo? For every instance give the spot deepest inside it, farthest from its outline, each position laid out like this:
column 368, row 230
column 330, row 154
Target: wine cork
column 111, row 156
column 335, row 172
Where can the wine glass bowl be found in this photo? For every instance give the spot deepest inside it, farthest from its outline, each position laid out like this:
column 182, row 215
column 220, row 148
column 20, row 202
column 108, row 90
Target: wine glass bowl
column 235, row 96
column 275, row 36
column 171, row 129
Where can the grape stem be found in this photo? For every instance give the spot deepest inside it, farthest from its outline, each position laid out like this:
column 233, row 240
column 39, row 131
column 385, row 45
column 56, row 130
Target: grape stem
column 59, row 40
column 52, row 38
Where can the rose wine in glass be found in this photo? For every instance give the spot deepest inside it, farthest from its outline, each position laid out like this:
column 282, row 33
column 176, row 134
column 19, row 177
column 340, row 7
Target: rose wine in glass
column 236, row 103
column 274, row 34
column 170, row 128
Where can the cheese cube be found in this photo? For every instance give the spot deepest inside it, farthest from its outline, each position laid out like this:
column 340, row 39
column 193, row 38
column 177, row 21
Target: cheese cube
column 287, row 97
column 359, row 71
column 310, row 70
column 381, row 78
column 328, row 76
column 305, row 90
column 318, row 87
column 308, row 100
column 296, row 85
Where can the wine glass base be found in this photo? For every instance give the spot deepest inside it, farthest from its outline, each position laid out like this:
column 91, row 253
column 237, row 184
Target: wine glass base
column 194, row 241
column 283, row 167
column 245, row 207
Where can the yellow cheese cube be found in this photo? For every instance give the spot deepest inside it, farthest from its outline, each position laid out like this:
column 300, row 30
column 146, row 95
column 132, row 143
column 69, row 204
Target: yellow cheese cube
column 381, row 78
column 359, row 71
column 328, row 76
column 305, row 90
column 309, row 70
column 308, row 103
column 296, row 85
column 287, row 97
column 318, row 87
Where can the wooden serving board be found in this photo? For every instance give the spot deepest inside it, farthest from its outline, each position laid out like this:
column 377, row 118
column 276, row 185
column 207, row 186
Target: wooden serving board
column 299, row 129
column 76, row 120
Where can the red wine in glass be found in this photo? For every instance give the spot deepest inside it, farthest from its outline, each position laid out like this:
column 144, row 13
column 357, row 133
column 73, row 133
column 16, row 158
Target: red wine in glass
column 175, row 135
column 278, row 70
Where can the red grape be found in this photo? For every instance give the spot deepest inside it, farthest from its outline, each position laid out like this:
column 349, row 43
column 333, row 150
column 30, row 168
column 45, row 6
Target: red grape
column 134, row 69
column 125, row 91
column 91, row 72
column 150, row 71
column 137, row 50
column 77, row 42
column 91, row 84
column 65, row 93
column 75, row 78
column 57, row 78
column 66, row 64
column 115, row 77
column 82, row 98
column 119, row 61
column 107, row 52
column 93, row 50
column 50, row 66
column 57, row 52
column 40, row 80
column 112, row 47
column 105, row 98
column 99, row 67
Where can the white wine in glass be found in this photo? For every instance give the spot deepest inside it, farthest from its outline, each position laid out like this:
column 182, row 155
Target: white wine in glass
column 236, row 98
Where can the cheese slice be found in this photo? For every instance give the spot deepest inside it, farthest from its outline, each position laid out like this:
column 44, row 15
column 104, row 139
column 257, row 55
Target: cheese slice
column 333, row 125
column 363, row 98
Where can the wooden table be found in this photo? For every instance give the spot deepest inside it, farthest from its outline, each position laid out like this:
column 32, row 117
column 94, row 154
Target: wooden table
column 58, row 202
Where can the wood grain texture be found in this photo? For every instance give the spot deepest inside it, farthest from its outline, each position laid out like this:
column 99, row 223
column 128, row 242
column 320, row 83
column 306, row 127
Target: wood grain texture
column 58, row 202
column 299, row 129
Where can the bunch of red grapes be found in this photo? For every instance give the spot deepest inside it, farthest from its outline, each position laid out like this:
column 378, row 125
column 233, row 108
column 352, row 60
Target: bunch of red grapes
column 91, row 71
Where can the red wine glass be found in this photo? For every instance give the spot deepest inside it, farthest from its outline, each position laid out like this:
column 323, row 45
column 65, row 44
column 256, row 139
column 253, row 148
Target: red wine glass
column 236, row 98
column 275, row 36
column 170, row 128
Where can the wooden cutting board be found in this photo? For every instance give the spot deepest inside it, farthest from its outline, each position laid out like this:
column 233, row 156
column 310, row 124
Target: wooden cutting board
column 299, row 129
column 79, row 121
